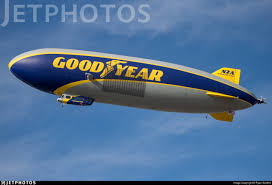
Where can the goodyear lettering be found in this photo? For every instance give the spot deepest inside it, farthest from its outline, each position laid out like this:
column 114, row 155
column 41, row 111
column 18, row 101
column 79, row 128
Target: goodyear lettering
column 120, row 70
column 99, row 67
column 143, row 74
column 72, row 64
column 57, row 62
column 130, row 72
column 85, row 65
column 110, row 67
column 156, row 75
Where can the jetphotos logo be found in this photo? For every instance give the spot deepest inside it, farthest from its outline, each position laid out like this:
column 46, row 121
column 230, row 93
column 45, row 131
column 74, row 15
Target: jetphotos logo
column 120, row 68
column 84, row 13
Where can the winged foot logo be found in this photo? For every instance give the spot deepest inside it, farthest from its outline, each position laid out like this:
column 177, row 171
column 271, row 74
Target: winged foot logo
column 110, row 67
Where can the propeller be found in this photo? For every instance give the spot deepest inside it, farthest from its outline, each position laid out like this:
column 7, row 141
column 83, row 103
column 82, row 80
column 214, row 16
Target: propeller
column 261, row 100
column 59, row 100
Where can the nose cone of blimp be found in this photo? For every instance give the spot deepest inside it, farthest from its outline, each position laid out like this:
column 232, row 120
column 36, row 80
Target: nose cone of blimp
column 35, row 69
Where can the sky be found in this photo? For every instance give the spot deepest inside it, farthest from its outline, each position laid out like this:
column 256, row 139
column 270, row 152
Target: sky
column 40, row 140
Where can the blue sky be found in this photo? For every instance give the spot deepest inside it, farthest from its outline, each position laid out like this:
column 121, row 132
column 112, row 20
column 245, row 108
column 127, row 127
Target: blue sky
column 40, row 140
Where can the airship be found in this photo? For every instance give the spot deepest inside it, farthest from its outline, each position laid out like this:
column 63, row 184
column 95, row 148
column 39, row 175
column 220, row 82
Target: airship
column 83, row 77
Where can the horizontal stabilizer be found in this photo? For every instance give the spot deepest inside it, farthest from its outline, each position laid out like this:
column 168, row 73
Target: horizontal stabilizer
column 220, row 95
column 223, row 116
column 229, row 74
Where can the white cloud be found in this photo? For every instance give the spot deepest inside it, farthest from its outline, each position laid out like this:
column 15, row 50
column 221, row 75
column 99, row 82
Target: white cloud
column 41, row 158
column 196, row 19
column 33, row 161
column 178, row 124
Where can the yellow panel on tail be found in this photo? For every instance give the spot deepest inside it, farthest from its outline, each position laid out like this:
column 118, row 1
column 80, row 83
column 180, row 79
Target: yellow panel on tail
column 229, row 74
column 223, row 116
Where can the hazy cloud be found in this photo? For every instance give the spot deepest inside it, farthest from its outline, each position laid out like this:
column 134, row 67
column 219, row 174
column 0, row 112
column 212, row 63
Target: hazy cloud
column 196, row 19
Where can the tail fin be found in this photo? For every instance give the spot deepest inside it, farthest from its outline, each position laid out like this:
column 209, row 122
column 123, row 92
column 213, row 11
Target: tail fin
column 223, row 116
column 229, row 74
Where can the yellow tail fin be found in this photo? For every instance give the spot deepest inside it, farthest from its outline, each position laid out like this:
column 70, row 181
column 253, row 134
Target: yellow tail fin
column 223, row 116
column 229, row 74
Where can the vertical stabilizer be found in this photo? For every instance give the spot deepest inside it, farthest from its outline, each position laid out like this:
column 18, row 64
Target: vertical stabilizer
column 229, row 74
column 223, row 116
